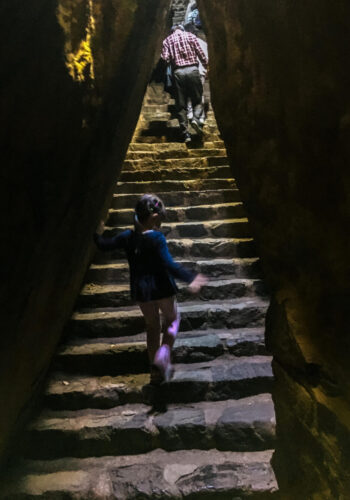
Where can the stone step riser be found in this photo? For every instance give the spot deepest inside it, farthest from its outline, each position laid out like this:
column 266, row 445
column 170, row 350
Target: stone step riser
column 184, row 214
column 164, row 137
column 134, row 431
column 156, row 174
column 131, row 360
column 173, row 392
column 197, row 248
column 238, row 228
column 190, row 320
column 184, row 163
column 225, row 475
column 172, row 154
column 164, row 186
column 243, row 269
column 122, row 298
column 171, row 146
column 181, row 198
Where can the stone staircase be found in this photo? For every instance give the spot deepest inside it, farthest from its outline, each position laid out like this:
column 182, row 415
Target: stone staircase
column 97, row 438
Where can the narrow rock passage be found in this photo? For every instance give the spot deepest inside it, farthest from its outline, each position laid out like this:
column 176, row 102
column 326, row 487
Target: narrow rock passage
column 96, row 438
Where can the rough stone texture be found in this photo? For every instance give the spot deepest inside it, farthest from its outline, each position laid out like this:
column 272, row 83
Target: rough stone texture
column 73, row 76
column 280, row 86
column 247, row 424
column 185, row 474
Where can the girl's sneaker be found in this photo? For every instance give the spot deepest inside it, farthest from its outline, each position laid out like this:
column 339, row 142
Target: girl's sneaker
column 162, row 363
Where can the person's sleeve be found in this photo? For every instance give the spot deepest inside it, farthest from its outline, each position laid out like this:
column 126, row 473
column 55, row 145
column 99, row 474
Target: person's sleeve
column 199, row 51
column 105, row 243
column 172, row 267
column 165, row 52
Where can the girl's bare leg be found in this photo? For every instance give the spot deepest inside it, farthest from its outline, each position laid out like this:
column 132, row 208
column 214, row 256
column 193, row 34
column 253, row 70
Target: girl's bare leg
column 150, row 311
column 171, row 320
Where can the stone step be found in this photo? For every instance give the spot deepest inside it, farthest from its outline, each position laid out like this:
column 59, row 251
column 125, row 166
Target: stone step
column 162, row 154
column 191, row 346
column 239, row 268
column 179, row 163
column 190, row 248
column 183, row 198
column 179, row 185
column 225, row 228
column 118, row 295
column 175, row 173
column 226, row 377
column 157, row 474
column 213, row 211
column 236, row 313
column 126, row 355
column 246, row 424
column 111, row 356
column 164, row 136
column 172, row 146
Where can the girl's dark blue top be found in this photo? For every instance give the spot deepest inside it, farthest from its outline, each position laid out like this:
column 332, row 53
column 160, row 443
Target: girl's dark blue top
column 152, row 268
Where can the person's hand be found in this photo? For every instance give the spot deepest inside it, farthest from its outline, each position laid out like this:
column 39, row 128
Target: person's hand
column 101, row 227
column 196, row 285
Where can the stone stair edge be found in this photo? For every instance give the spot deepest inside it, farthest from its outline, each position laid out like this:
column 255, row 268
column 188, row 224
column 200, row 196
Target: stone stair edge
column 247, row 471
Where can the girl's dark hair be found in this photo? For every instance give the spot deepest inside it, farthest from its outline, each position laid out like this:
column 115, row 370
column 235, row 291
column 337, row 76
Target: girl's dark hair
column 147, row 205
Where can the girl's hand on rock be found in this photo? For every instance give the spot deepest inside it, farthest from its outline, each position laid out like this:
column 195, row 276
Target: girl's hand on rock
column 100, row 228
column 196, row 285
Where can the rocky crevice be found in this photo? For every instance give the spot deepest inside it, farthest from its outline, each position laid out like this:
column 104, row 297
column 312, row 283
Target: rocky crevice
column 212, row 427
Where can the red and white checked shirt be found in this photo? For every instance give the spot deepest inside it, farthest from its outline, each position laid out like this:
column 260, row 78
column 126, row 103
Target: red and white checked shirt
column 183, row 49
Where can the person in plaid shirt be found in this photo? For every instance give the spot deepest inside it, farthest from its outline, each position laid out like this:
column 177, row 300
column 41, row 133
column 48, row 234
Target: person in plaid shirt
column 183, row 51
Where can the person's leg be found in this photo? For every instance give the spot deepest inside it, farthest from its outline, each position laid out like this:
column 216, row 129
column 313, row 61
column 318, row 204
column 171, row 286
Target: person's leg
column 171, row 320
column 171, row 323
column 196, row 94
column 150, row 311
column 181, row 101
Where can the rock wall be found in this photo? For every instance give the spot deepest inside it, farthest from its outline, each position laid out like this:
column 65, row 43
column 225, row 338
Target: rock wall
column 73, row 76
column 280, row 80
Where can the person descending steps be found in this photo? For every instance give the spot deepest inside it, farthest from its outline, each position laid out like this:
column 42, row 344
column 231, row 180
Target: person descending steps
column 95, row 436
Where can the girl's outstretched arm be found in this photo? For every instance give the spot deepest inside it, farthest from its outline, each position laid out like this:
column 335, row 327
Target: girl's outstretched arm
column 106, row 243
column 173, row 268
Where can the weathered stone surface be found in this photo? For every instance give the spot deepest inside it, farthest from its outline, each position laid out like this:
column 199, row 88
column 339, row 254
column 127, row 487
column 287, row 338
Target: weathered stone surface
column 182, row 474
column 280, row 78
column 105, row 357
column 231, row 228
column 157, row 186
column 222, row 378
column 118, row 272
column 196, row 247
column 93, row 295
column 186, row 198
column 183, row 214
column 247, row 423
column 65, row 66
column 176, row 173
column 237, row 313
column 174, row 153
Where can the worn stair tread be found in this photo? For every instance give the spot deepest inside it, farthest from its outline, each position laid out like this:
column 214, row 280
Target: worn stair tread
column 235, row 227
column 229, row 336
column 97, row 289
column 172, row 185
column 128, row 320
column 175, row 173
column 184, row 152
column 118, row 294
column 127, row 311
column 225, row 377
column 122, row 264
column 246, row 424
column 176, row 474
column 189, row 198
column 187, row 162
